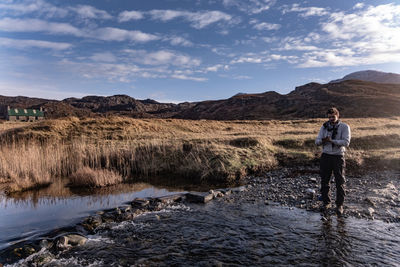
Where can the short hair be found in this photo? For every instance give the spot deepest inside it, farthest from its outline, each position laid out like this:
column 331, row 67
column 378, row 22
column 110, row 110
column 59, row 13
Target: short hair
column 333, row 111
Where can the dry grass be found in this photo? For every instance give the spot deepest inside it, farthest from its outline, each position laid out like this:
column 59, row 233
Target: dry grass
column 212, row 151
column 94, row 178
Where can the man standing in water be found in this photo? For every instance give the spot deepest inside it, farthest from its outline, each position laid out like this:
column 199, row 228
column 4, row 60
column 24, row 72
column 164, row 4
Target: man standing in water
column 334, row 136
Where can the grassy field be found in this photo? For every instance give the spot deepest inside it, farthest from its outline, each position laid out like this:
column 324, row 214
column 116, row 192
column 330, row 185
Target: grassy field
column 104, row 151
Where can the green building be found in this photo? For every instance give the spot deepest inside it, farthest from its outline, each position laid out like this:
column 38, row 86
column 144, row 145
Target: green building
column 23, row 114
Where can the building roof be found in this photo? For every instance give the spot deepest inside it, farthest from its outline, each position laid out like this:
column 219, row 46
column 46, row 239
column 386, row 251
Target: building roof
column 25, row 112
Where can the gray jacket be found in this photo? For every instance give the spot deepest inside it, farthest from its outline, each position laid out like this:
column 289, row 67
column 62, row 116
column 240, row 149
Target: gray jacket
column 340, row 142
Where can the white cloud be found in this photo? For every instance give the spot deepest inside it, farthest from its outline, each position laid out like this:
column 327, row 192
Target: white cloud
column 21, row 43
column 299, row 44
column 375, row 30
column 263, row 57
column 250, row 6
column 49, row 10
column 269, row 39
column 359, row 5
column 126, row 72
column 198, row 20
column 185, row 77
column 248, row 59
column 178, row 40
column 106, row 34
column 266, row 26
column 36, row 25
column 216, row 68
column 130, row 15
column 89, row 12
column 116, row 34
column 361, row 37
column 306, row 11
column 103, row 57
column 162, row 57
column 242, row 77
column 39, row 6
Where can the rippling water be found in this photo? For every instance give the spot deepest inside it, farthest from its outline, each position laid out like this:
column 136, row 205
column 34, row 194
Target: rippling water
column 30, row 214
column 219, row 234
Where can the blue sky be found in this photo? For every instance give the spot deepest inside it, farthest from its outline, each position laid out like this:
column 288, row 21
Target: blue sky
column 190, row 50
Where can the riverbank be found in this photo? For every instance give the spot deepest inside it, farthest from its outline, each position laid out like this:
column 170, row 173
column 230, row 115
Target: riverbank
column 373, row 196
column 210, row 152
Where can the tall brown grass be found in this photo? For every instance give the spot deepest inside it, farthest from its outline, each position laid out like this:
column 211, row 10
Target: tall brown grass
column 212, row 151
column 94, row 178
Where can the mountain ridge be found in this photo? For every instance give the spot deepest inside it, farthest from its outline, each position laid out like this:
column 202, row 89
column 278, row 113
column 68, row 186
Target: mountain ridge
column 354, row 98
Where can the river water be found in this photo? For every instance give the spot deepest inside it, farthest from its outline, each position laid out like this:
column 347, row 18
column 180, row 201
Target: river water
column 222, row 233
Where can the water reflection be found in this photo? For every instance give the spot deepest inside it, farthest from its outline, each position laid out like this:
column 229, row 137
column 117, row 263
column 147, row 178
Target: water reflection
column 334, row 243
column 29, row 214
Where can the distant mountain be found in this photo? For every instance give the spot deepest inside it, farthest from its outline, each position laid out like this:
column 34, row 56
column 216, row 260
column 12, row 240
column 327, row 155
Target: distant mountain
column 371, row 76
column 354, row 98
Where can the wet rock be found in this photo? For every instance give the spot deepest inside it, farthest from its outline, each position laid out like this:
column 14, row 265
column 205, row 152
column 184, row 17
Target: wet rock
column 170, row 199
column 75, row 240
column 45, row 244
column 370, row 211
column 310, row 193
column 140, row 203
column 199, row 197
column 44, row 258
column 23, row 252
column 239, row 189
column 88, row 227
column 218, row 194
column 62, row 243
column 369, row 202
column 125, row 208
column 94, row 221
column 225, row 191
column 313, row 180
column 127, row 216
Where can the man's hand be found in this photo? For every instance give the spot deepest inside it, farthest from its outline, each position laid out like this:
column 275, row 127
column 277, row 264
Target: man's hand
column 326, row 140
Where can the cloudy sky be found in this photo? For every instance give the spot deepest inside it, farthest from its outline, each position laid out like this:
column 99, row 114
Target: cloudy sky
column 190, row 50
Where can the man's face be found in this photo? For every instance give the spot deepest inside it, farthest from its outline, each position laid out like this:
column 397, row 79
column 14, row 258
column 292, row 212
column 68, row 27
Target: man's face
column 333, row 118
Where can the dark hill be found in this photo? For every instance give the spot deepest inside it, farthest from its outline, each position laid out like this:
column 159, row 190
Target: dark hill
column 372, row 76
column 354, row 98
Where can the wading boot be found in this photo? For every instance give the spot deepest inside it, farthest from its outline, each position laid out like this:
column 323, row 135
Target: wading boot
column 325, row 207
column 339, row 210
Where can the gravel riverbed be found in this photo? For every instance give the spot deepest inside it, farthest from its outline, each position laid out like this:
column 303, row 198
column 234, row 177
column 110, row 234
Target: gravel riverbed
column 374, row 195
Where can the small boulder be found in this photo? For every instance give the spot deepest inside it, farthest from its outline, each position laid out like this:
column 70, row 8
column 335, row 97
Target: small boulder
column 45, row 244
column 125, row 208
column 199, row 197
column 170, row 199
column 75, row 240
column 62, row 243
column 140, row 203
column 239, row 189
column 369, row 201
column 310, row 193
column 225, row 191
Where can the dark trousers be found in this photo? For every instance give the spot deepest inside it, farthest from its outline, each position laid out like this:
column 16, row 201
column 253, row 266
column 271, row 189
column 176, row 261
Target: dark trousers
column 335, row 164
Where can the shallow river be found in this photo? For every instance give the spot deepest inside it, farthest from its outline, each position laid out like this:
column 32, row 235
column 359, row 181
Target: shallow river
column 221, row 233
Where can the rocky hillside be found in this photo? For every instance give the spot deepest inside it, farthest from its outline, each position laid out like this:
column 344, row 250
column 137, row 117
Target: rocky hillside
column 372, row 76
column 91, row 106
column 354, row 98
